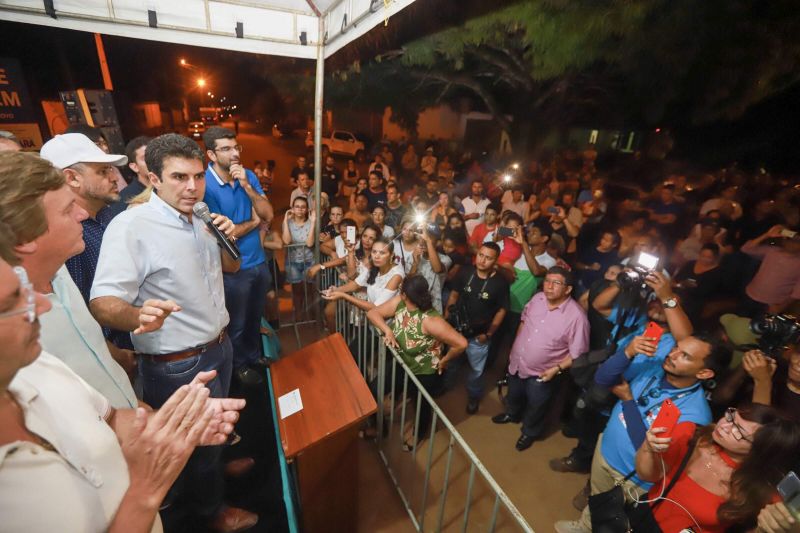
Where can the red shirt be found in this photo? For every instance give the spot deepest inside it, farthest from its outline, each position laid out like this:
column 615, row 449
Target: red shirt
column 479, row 233
column 701, row 503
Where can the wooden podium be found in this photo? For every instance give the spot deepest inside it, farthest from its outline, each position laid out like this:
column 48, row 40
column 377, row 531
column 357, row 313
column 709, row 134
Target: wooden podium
column 322, row 437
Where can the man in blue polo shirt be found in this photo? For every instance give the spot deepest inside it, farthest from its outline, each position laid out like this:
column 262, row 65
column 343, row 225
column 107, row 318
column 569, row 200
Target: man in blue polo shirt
column 678, row 377
column 234, row 191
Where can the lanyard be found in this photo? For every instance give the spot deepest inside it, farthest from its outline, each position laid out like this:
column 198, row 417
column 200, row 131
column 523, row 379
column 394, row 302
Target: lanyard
column 655, row 393
column 468, row 286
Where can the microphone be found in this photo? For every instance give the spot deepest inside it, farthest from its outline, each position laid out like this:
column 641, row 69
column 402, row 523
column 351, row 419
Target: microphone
column 200, row 210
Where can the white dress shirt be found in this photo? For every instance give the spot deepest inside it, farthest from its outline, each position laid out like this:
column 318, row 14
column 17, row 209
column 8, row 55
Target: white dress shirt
column 71, row 333
column 153, row 251
column 78, row 486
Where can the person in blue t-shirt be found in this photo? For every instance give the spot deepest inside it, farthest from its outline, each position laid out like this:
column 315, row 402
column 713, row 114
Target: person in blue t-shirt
column 628, row 316
column 642, row 390
column 234, row 191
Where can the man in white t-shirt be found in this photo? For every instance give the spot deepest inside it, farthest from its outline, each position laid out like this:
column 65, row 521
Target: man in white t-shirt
column 474, row 206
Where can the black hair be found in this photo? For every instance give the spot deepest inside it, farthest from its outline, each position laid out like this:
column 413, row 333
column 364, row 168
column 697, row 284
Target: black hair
column 373, row 270
column 348, row 222
column 134, row 144
column 569, row 279
column 376, row 173
column 380, row 206
column 513, row 215
column 362, row 193
column 714, row 247
column 417, row 291
column 360, row 249
column 214, row 133
column 392, row 186
column 615, row 236
column 170, row 145
column 95, row 134
column 300, row 197
column 494, row 207
column 270, row 164
column 433, row 179
column 719, row 355
column 492, row 246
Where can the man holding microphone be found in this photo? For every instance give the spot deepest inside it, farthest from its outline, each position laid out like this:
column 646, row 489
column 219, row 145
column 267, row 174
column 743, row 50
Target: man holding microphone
column 235, row 192
column 159, row 276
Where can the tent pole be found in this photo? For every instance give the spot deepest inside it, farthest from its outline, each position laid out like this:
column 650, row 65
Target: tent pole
column 318, row 101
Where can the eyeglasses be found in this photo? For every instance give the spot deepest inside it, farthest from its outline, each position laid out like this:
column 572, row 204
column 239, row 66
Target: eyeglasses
column 556, row 282
column 227, row 149
column 738, row 431
column 26, row 290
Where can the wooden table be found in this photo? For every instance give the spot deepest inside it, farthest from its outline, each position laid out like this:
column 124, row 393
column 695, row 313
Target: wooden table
column 321, row 438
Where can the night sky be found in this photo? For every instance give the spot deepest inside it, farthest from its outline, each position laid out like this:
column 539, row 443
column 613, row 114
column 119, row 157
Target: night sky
column 54, row 59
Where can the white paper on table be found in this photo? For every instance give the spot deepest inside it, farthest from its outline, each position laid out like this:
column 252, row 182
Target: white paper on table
column 290, row 403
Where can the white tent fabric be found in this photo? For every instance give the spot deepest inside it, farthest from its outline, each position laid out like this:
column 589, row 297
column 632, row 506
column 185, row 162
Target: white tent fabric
column 272, row 27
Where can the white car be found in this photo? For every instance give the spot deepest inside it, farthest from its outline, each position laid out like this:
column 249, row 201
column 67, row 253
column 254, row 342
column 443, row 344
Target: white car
column 341, row 142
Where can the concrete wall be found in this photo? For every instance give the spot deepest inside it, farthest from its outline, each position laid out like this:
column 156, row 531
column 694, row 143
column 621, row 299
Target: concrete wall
column 439, row 122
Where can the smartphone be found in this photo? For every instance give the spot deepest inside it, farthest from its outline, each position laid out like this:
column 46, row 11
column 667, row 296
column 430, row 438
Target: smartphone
column 654, row 331
column 789, row 489
column 648, row 261
column 505, row 232
column 552, row 210
column 351, row 234
column 667, row 418
column 787, row 233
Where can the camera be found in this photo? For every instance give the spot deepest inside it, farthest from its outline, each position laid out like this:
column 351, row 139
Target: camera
column 460, row 321
column 505, row 232
column 634, row 277
column 432, row 227
column 330, row 230
column 776, row 332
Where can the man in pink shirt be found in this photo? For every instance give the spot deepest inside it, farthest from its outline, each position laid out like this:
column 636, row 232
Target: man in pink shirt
column 776, row 285
column 553, row 332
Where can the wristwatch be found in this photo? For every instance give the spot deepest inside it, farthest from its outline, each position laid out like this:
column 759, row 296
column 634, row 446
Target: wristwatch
column 322, row 267
column 670, row 303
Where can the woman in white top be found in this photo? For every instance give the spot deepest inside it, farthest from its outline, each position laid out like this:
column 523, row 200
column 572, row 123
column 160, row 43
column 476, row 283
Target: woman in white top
column 381, row 280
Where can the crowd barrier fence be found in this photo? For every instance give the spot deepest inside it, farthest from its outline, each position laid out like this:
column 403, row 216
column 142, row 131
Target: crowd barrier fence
column 489, row 510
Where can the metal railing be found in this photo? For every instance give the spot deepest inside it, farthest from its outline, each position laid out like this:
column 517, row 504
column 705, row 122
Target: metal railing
column 442, row 465
column 310, row 301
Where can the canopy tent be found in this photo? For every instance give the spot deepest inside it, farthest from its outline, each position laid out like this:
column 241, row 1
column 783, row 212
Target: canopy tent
column 306, row 29
column 274, row 27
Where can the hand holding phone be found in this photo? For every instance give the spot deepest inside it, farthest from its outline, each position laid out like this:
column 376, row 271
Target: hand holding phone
column 654, row 331
column 667, row 418
column 789, row 489
column 351, row 234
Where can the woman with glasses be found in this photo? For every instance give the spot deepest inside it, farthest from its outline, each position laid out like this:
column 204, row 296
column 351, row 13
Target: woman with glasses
column 731, row 472
column 298, row 235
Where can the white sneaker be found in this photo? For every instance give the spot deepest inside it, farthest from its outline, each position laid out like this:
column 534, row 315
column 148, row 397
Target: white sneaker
column 570, row 526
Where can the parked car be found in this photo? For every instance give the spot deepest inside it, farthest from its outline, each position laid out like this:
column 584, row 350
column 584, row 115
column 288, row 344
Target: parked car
column 196, row 130
column 339, row 142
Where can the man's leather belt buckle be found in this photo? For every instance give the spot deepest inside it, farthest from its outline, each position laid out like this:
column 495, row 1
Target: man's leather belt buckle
column 186, row 354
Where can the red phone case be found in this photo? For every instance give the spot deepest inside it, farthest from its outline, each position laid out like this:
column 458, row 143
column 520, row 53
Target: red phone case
column 667, row 418
column 654, row 331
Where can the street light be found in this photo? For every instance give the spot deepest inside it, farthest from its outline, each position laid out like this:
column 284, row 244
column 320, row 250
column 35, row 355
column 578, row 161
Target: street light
column 183, row 62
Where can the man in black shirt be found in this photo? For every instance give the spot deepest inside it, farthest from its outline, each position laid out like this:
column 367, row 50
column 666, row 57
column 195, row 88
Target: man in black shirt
column 482, row 296
column 300, row 168
column 331, row 179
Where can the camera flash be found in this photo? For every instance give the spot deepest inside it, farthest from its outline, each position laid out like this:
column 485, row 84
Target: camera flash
column 515, row 166
column 506, row 178
column 419, row 218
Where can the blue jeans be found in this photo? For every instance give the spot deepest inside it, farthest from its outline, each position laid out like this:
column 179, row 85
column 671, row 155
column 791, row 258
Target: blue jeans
column 477, row 354
column 528, row 399
column 245, row 296
column 200, row 485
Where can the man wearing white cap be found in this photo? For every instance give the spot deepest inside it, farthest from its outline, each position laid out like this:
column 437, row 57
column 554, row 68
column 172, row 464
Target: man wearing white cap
column 89, row 173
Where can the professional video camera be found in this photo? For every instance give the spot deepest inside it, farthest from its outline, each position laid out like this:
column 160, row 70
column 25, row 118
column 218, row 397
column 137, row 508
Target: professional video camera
column 638, row 269
column 776, row 332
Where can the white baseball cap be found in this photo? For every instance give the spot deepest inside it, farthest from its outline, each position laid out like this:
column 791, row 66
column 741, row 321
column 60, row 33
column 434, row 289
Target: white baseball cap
column 69, row 148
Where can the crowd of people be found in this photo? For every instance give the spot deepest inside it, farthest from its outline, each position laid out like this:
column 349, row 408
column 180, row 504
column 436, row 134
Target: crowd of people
column 123, row 316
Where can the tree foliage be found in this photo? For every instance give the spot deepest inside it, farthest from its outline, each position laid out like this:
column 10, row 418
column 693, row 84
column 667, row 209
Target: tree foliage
column 608, row 62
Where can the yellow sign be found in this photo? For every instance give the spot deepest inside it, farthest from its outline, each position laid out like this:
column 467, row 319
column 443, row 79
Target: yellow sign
column 29, row 135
